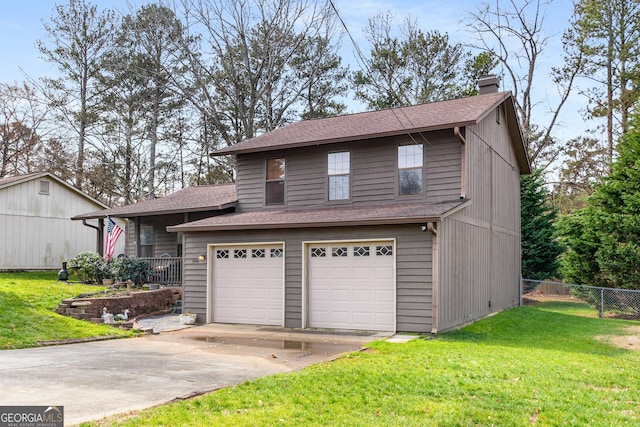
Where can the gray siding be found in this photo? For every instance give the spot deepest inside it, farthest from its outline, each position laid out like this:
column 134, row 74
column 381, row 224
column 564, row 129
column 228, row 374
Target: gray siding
column 479, row 262
column 373, row 173
column 413, row 268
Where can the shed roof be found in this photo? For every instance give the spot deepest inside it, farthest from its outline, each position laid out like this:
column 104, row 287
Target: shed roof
column 396, row 121
column 409, row 213
column 190, row 199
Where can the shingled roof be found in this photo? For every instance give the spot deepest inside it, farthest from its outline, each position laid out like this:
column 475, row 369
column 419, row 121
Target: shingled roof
column 190, row 199
column 418, row 118
column 410, row 213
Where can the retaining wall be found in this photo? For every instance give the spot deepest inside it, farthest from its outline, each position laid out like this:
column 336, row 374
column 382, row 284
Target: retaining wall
column 138, row 303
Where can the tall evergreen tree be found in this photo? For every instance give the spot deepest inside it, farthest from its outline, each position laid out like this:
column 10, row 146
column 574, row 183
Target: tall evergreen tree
column 416, row 67
column 540, row 250
column 607, row 35
column 79, row 36
column 603, row 239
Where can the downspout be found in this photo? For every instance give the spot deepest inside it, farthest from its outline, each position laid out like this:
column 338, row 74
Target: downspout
column 431, row 226
column 463, row 161
column 100, row 230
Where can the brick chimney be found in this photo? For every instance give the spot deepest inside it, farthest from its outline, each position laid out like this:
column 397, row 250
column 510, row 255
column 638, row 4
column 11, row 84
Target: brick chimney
column 488, row 84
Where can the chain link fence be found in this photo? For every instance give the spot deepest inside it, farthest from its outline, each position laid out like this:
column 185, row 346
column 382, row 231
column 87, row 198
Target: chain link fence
column 623, row 303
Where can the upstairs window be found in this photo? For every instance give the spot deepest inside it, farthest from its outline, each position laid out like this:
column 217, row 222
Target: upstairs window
column 274, row 188
column 339, row 167
column 410, row 158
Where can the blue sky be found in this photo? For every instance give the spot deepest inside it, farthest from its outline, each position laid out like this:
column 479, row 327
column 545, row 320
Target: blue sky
column 21, row 25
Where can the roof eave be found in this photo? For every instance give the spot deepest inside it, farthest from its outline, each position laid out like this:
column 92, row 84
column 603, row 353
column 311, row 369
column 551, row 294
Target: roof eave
column 238, row 150
column 96, row 215
column 346, row 223
column 517, row 137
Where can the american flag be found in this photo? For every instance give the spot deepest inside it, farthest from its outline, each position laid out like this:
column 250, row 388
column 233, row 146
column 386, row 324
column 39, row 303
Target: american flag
column 113, row 232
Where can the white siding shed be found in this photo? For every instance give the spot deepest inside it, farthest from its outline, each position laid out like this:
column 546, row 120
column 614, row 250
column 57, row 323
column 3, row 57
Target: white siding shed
column 36, row 230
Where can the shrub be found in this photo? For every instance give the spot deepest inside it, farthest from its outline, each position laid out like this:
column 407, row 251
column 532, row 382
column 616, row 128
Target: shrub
column 135, row 269
column 89, row 266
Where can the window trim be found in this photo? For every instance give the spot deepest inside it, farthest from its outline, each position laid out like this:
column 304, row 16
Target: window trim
column 330, row 175
column 267, row 181
column 421, row 168
column 44, row 187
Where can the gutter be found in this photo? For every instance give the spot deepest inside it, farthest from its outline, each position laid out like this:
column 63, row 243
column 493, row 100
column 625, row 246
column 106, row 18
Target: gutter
column 432, row 227
column 463, row 161
column 100, row 230
column 268, row 226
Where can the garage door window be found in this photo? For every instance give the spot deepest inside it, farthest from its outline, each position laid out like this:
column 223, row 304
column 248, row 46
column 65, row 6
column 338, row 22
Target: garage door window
column 386, row 250
column 257, row 253
column 339, row 252
column 361, row 251
column 276, row 253
column 240, row 253
column 222, row 254
column 318, row 252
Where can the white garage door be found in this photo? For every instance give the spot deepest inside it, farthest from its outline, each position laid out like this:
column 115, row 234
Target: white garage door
column 248, row 285
column 352, row 286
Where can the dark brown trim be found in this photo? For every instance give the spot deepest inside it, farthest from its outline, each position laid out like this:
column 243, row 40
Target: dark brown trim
column 346, row 223
column 236, row 149
column 106, row 213
column 463, row 162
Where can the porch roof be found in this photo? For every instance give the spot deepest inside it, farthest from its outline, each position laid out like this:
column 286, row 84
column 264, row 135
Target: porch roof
column 191, row 199
column 409, row 213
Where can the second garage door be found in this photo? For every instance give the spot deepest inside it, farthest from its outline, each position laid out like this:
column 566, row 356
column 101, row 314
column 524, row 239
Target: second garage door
column 351, row 285
column 248, row 285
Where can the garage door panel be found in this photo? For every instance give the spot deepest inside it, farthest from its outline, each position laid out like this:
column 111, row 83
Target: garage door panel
column 362, row 295
column 363, row 273
column 338, row 273
column 355, row 290
column 248, row 285
column 383, row 296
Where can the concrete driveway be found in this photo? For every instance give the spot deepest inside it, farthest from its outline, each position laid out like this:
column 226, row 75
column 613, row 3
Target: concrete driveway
column 96, row 379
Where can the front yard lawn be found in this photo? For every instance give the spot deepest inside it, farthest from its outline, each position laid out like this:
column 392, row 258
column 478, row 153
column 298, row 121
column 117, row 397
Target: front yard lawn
column 540, row 365
column 27, row 304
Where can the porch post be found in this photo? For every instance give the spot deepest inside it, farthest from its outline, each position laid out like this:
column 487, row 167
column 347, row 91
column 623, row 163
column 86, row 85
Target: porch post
column 137, row 233
column 100, row 236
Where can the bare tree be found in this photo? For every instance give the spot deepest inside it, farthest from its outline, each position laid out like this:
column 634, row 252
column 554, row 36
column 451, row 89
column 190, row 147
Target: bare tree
column 257, row 61
column 515, row 32
column 22, row 119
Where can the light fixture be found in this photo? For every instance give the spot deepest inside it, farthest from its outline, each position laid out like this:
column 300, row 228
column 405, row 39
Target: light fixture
column 423, row 228
column 202, row 257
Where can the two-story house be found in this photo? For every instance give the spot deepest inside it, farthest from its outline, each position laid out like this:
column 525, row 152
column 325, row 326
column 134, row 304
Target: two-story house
column 405, row 219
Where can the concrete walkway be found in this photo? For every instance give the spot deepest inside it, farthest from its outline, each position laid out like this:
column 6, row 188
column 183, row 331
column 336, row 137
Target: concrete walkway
column 97, row 379
column 162, row 323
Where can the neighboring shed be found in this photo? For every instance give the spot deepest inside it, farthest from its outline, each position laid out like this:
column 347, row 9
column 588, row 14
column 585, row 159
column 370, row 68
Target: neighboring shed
column 36, row 230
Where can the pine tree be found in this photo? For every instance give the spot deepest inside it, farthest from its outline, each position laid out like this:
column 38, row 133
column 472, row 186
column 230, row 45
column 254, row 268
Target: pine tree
column 540, row 249
column 603, row 239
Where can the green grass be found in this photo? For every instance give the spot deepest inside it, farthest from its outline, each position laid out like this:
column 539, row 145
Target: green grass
column 539, row 365
column 27, row 304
